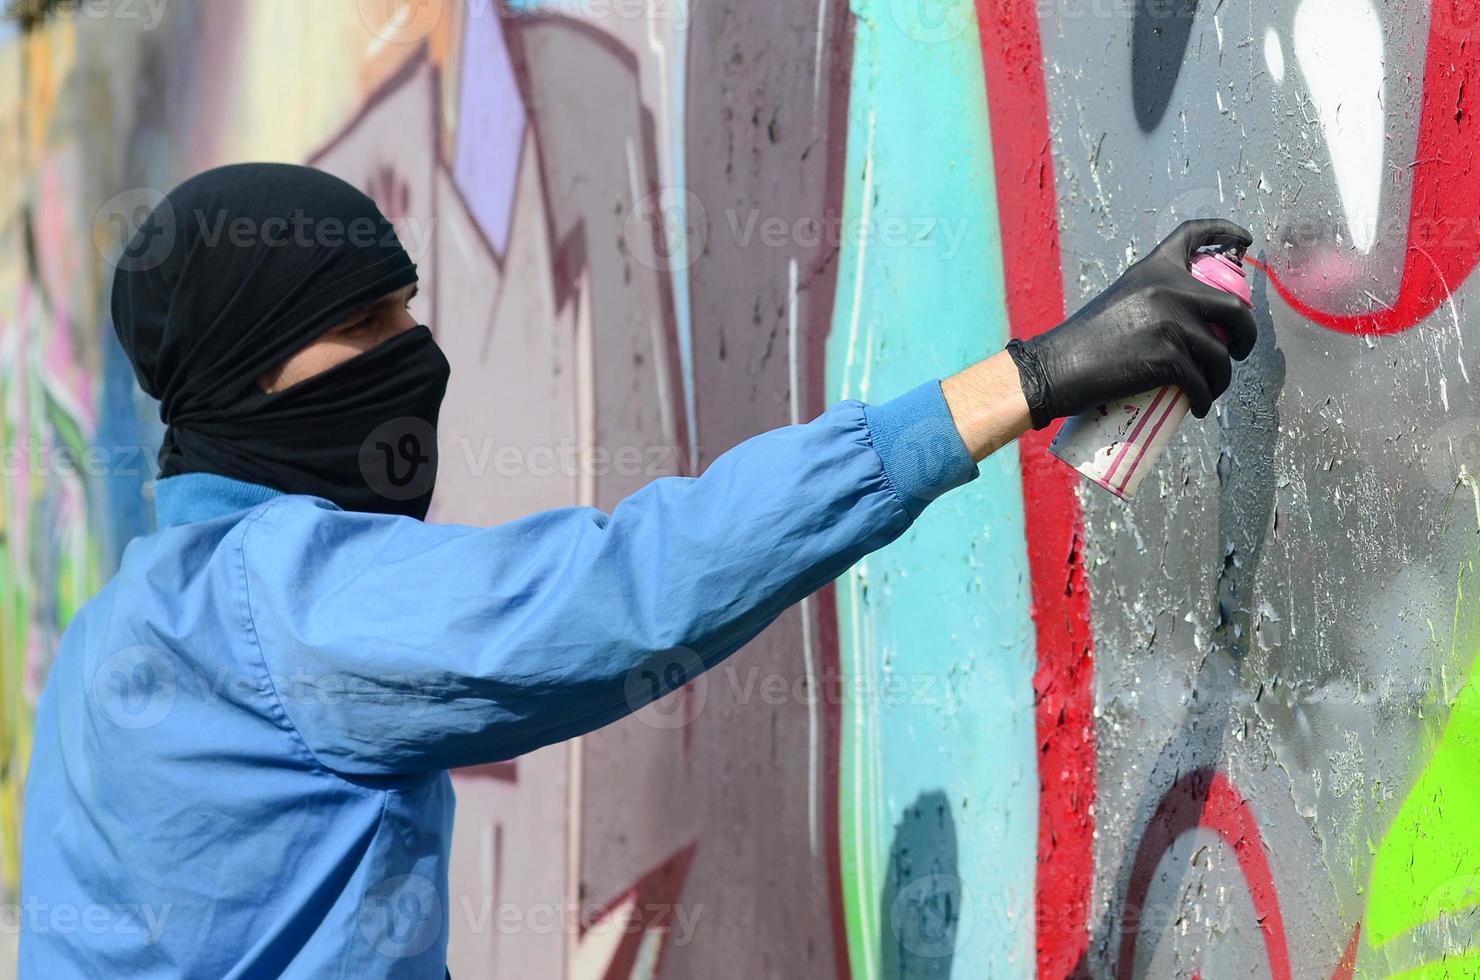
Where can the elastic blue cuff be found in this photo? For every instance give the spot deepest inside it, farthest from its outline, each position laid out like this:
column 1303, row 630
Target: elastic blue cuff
column 922, row 452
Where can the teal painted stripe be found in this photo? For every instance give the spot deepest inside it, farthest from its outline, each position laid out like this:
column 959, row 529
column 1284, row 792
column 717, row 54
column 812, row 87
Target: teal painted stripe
column 939, row 788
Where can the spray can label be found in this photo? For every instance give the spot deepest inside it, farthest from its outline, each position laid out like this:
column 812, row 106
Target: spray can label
column 1116, row 444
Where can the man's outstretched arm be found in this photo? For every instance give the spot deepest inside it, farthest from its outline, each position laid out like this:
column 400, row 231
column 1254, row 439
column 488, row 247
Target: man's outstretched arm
column 412, row 647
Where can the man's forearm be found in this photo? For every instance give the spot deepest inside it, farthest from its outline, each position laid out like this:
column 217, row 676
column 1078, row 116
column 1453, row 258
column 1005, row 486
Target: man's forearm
column 987, row 404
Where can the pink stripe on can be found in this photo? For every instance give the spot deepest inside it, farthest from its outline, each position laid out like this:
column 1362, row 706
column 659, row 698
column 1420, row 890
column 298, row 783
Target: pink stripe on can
column 1147, row 444
column 1130, row 440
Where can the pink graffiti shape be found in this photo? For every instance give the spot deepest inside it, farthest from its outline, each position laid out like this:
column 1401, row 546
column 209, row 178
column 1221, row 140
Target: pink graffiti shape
column 1444, row 219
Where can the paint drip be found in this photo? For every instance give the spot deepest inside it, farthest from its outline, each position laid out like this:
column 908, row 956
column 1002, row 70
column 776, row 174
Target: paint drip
column 1116, row 444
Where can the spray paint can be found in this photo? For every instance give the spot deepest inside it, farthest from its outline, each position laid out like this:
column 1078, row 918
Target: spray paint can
column 1115, row 445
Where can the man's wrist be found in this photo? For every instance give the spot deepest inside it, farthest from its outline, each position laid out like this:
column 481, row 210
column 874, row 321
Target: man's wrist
column 988, row 405
column 1033, row 380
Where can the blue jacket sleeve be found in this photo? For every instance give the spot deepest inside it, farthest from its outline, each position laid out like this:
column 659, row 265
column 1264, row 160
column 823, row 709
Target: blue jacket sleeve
column 397, row 647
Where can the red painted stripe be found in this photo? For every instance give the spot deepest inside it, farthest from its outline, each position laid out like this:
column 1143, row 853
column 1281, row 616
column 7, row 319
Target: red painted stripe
column 830, row 671
column 1444, row 215
column 1012, row 60
column 821, row 274
column 1347, row 968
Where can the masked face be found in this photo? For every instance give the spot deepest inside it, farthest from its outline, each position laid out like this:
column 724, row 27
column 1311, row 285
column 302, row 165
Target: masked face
column 371, row 386
column 283, row 354
column 361, row 432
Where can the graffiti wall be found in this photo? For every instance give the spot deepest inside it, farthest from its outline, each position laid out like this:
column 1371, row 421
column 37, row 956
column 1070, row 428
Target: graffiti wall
column 1227, row 730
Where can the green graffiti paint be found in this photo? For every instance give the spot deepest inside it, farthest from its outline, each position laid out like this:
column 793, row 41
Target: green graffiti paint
column 49, row 558
column 1427, row 865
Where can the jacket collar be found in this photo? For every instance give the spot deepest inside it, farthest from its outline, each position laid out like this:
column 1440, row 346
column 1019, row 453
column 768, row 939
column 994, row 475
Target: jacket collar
column 203, row 496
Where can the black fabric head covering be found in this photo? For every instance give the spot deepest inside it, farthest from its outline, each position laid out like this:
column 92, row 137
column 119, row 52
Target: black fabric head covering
column 237, row 269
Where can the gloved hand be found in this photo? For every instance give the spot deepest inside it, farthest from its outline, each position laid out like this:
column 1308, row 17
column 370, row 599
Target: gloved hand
column 1149, row 329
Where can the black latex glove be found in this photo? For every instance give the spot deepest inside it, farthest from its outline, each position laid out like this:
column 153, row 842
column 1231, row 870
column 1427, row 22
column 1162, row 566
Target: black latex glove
column 1149, row 329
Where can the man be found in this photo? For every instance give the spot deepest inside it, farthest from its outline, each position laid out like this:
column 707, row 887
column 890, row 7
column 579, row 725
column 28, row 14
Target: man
column 244, row 740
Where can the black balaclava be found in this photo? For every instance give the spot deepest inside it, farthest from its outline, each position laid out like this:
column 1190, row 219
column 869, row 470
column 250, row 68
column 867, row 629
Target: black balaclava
column 237, row 269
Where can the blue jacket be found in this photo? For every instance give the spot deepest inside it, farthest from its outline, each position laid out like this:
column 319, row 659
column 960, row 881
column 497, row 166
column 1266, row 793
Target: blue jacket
column 241, row 752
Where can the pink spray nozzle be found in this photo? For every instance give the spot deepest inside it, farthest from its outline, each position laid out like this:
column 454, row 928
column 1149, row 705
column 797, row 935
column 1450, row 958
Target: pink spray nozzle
column 1222, row 268
column 1233, row 252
